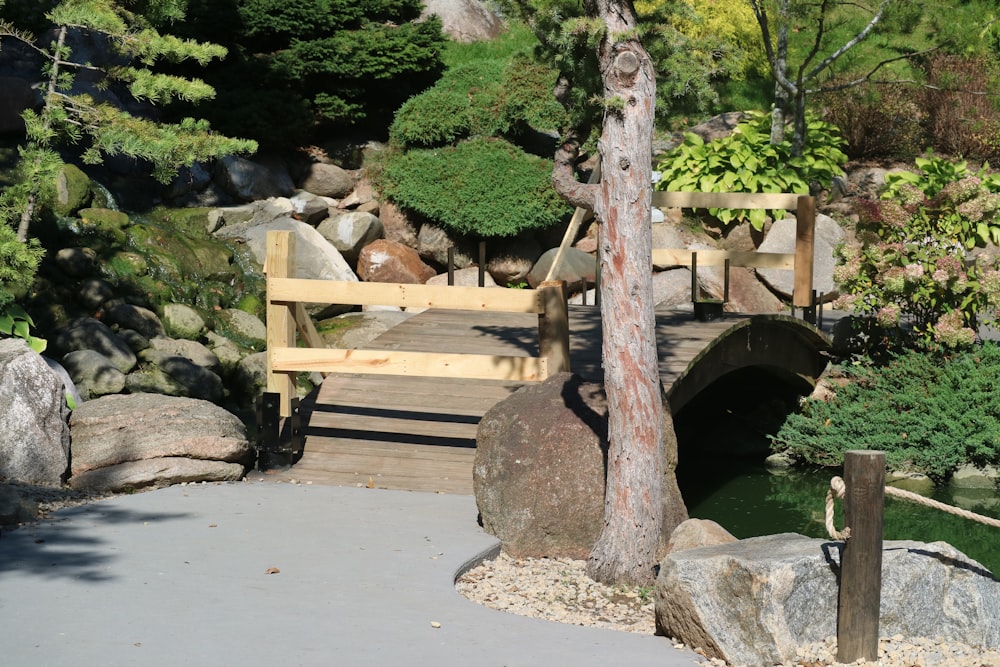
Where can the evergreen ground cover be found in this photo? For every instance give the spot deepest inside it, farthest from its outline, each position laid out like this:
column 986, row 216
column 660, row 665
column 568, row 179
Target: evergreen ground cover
column 930, row 414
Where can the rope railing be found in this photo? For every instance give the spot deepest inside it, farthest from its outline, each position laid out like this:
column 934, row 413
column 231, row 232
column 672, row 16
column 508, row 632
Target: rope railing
column 838, row 489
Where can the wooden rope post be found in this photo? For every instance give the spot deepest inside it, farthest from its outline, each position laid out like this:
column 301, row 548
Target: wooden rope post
column 553, row 327
column 280, row 317
column 805, row 230
column 861, row 559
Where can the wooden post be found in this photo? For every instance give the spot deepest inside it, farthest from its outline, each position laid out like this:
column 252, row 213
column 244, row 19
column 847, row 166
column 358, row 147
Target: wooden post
column 280, row 317
column 553, row 326
column 861, row 560
column 805, row 229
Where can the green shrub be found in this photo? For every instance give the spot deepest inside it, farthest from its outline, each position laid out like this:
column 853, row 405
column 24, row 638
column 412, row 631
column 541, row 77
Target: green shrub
column 910, row 267
column 746, row 161
column 480, row 98
column 481, row 187
column 929, row 414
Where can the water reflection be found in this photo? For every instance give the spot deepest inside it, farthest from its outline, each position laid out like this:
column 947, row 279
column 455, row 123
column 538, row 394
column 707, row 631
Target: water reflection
column 748, row 500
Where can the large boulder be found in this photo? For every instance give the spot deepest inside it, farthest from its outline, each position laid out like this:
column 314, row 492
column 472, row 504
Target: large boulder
column 385, row 261
column 156, row 472
column 90, row 334
column 246, row 180
column 328, row 180
column 125, row 428
column 351, row 231
column 465, row 20
column 575, row 266
column 781, row 239
column 539, row 471
column 754, row 602
column 34, row 436
column 315, row 257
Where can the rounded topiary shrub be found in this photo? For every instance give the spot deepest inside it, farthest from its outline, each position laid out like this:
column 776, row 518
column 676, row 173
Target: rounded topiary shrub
column 481, row 187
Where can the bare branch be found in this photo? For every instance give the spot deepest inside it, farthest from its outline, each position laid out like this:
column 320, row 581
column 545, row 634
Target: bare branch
column 866, row 78
column 830, row 59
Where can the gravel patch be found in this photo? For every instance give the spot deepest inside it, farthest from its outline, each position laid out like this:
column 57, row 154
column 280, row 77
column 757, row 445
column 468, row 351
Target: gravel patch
column 558, row 589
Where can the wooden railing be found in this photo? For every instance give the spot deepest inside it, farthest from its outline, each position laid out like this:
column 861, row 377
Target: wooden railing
column 801, row 261
column 286, row 314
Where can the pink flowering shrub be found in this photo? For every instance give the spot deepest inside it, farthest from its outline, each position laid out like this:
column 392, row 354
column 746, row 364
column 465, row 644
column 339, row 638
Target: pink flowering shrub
column 911, row 269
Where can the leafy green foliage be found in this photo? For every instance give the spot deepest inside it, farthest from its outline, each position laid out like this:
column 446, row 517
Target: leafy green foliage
column 746, row 161
column 481, row 98
column 15, row 322
column 910, row 264
column 481, row 187
column 929, row 414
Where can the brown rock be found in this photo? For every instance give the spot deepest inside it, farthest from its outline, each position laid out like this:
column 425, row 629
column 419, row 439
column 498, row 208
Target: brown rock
column 539, row 472
column 398, row 226
column 132, row 427
column 156, row 472
column 695, row 533
column 387, row 261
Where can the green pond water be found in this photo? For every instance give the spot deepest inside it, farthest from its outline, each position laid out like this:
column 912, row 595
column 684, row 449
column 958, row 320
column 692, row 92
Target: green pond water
column 749, row 500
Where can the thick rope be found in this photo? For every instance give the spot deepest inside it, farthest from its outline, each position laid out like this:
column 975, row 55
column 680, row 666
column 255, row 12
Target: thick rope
column 839, row 489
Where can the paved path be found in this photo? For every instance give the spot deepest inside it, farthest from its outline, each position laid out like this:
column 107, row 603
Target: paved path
column 179, row 577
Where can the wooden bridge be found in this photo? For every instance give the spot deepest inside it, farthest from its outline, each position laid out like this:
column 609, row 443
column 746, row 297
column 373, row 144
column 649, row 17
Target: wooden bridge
column 403, row 412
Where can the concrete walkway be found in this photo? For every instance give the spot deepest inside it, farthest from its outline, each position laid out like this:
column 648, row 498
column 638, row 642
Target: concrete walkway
column 179, row 576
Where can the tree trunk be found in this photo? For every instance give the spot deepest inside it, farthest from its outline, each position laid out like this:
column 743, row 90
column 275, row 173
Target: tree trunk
column 626, row 551
column 779, row 115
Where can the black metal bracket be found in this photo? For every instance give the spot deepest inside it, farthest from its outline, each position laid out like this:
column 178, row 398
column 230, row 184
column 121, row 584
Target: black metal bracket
column 278, row 445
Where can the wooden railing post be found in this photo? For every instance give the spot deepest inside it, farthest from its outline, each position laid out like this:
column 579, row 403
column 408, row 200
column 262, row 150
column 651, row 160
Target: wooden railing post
column 553, row 326
column 805, row 230
column 280, row 317
column 861, row 560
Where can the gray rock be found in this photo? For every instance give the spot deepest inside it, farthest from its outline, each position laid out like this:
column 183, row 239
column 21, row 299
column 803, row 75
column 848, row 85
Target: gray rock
column 695, row 533
column 511, row 260
column 243, row 326
column 156, row 472
column 672, row 288
column 189, row 349
column 310, row 208
column 247, row 180
column 34, row 435
column 351, row 231
column 134, row 427
column 93, row 293
column 539, row 471
column 433, row 244
column 315, row 257
column 188, row 378
column 76, row 262
column 227, row 352
column 14, row 508
column 135, row 340
column 465, row 20
column 251, row 375
column 129, row 316
column 93, row 374
column 152, row 379
column 90, row 334
column 755, row 601
column 971, row 477
column 468, row 277
column 328, row 180
column 182, row 321
column 781, row 239
column 574, row 267
column 355, row 330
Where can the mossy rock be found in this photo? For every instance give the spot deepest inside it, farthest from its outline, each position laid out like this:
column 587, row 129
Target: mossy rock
column 99, row 228
column 73, row 191
column 181, row 255
column 189, row 220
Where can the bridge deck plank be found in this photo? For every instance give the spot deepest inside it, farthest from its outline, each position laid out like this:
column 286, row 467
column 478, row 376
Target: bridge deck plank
column 418, row 433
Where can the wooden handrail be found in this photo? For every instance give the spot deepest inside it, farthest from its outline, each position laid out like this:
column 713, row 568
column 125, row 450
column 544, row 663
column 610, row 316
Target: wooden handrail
column 285, row 311
column 801, row 261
